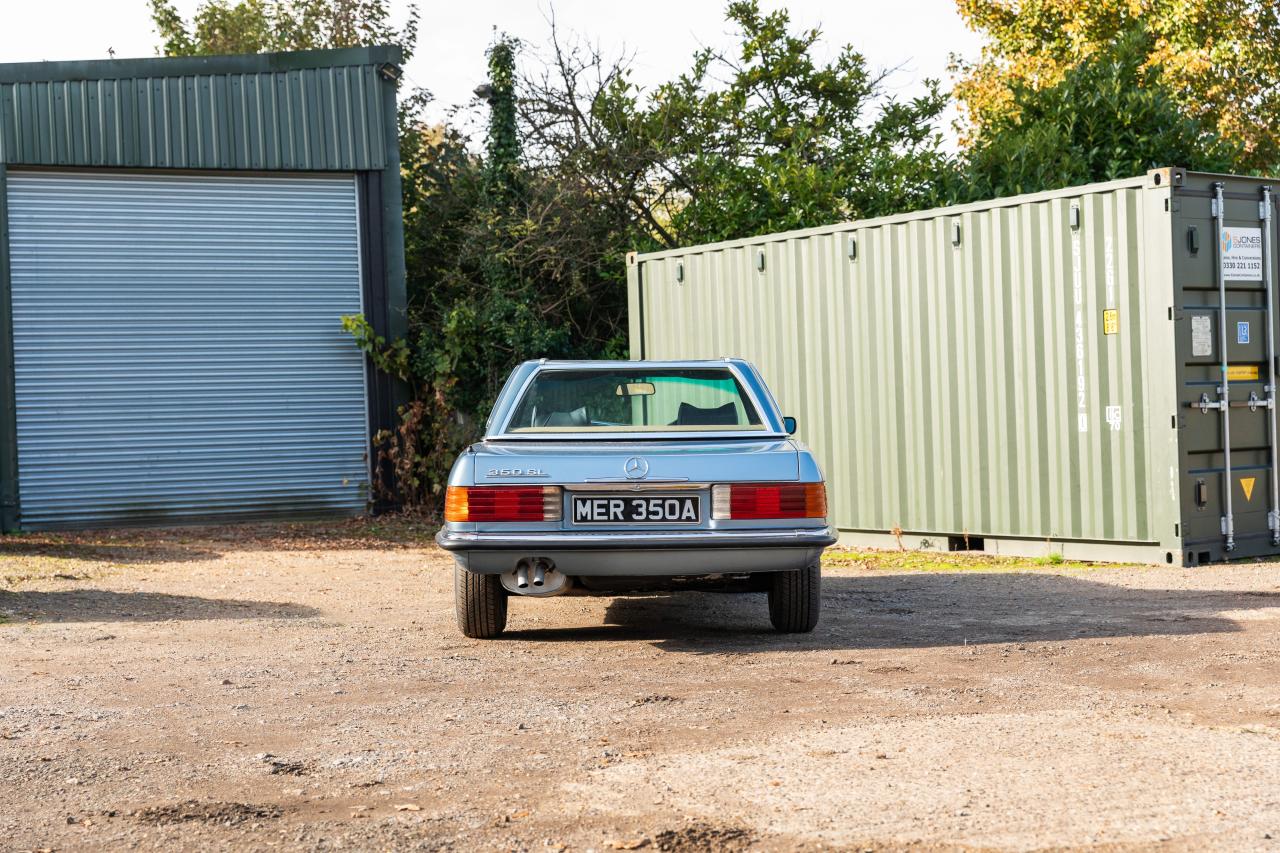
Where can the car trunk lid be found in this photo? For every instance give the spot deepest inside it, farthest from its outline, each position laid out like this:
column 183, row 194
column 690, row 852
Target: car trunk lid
column 570, row 462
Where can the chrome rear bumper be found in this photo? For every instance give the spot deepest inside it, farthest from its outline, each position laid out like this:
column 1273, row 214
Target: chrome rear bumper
column 678, row 554
column 802, row 537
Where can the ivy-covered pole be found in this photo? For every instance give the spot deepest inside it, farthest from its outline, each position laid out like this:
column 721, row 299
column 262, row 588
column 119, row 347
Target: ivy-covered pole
column 502, row 161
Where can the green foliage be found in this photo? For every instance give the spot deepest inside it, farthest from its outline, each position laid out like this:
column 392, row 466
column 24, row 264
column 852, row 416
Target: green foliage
column 911, row 560
column 505, row 262
column 391, row 358
column 786, row 142
column 1217, row 58
column 762, row 139
column 520, row 252
column 502, row 161
column 1109, row 117
column 258, row 26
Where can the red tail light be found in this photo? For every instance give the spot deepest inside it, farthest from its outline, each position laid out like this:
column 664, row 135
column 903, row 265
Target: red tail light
column 769, row 500
column 502, row 503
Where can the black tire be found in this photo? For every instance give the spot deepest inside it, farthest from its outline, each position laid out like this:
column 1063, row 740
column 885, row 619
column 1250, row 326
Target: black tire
column 795, row 599
column 480, row 603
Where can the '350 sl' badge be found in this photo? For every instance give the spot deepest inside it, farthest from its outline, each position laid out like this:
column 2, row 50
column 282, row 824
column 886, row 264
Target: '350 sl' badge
column 516, row 472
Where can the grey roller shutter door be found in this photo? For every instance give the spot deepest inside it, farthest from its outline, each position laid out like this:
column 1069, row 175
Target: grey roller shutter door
column 178, row 348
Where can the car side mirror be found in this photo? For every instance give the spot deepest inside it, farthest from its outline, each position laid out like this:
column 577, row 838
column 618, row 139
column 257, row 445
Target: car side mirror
column 790, row 425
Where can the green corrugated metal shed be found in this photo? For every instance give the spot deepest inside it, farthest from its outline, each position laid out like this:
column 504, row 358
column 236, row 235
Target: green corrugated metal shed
column 313, row 110
column 318, row 111
column 1027, row 371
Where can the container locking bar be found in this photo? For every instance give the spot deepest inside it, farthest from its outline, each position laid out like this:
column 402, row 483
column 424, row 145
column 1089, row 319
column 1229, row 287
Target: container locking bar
column 1205, row 405
column 1268, row 261
column 1224, row 390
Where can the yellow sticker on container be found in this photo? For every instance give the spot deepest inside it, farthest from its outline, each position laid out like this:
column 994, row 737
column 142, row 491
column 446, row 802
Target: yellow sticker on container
column 1111, row 321
column 1246, row 483
column 1242, row 372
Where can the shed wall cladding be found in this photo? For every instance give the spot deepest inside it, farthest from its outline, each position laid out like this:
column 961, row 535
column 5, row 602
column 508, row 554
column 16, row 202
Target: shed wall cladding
column 177, row 351
column 179, row 239
column 942, row 373
column 303, row 119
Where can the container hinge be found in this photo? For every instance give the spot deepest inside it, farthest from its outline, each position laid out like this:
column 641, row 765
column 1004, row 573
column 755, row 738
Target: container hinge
column 1273, row 524
column 1262, row 211
column 1213, row 208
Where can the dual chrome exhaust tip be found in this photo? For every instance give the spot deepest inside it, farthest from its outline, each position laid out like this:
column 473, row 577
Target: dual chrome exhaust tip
column 537, row 577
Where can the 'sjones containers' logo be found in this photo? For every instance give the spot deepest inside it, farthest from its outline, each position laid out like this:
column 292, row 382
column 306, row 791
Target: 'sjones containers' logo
column 1239, row 241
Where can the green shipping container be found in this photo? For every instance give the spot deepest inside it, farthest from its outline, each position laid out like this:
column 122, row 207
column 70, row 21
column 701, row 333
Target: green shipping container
column 1088, row 371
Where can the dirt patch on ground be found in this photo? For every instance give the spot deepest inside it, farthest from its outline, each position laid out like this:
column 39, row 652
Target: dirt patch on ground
column 303, row 687
column 223, row 814
column 700, row 837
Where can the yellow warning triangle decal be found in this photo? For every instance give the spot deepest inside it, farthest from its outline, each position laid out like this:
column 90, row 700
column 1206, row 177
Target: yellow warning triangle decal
column 1246, row 483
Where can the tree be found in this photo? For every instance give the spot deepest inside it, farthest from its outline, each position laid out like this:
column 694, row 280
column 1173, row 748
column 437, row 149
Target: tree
column 1217, row 58
column 1108, row 117
column 759, row 140
column 505, row 262
column 518, row 251
column 257, row 26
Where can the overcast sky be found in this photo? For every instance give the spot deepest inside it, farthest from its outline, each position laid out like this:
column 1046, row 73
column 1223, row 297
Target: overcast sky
column 661, row 35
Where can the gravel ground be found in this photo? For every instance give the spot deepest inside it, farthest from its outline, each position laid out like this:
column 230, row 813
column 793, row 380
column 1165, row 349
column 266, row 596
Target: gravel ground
column 303, row 687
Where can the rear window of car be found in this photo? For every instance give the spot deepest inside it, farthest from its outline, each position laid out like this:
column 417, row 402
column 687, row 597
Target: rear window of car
column 687, row 400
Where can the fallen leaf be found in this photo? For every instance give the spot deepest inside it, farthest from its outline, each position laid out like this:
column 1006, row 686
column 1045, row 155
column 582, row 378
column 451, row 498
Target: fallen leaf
column 408, row 807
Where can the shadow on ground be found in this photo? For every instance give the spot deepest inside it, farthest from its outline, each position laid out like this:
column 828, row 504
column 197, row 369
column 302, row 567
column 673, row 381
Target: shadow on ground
column 208, row 542
column 918, row 610
column 105, row 552
column 95, row 605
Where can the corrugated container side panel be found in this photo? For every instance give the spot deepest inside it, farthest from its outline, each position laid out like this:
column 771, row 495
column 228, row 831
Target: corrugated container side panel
column 848, row 281
column 1003, row 441
column 824, row 349
column 869, row 380
column 946, row 389
column 314, row 119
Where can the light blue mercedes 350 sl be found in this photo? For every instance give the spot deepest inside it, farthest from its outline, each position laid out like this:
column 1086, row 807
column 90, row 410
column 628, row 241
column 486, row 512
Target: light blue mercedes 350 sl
column 615, row 477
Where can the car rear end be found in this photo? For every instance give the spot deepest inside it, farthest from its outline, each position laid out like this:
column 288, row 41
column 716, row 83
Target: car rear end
column 565, row 504
column 704, row 508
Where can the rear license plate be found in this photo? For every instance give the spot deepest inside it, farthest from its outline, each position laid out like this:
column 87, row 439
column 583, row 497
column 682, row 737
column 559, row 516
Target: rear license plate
column 632, row 509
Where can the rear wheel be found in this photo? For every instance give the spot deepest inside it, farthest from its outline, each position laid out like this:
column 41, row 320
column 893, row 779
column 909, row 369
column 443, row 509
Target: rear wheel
column 480, row 603
column 795, row 599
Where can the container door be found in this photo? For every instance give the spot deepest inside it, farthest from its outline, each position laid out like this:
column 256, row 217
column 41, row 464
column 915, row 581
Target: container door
column 1230, row 503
